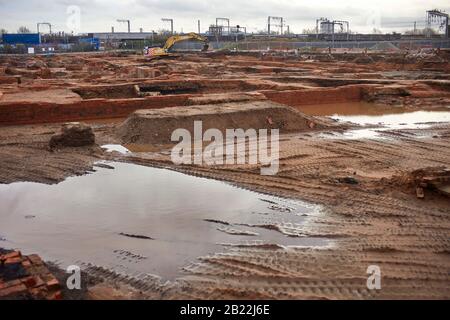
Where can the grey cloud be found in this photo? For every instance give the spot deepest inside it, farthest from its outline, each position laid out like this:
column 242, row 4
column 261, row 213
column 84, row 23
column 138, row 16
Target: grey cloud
column 100, row 15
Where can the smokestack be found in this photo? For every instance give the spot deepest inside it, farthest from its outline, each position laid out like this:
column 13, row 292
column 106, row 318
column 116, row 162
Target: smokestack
column 112, row 29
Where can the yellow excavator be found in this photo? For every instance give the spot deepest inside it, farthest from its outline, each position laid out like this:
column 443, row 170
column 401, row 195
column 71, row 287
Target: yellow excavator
column 164, row 51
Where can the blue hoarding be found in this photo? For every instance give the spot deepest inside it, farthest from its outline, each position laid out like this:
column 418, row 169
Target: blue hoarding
column 22, row 38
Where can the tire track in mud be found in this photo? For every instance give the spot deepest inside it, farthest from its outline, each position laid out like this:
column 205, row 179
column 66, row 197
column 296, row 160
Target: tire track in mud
column 25, row 156
column 369, row 224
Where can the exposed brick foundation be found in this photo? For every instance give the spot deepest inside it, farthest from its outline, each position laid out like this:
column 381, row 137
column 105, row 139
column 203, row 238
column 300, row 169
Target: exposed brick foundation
column 315, row 96
column 28, row 113
column 41, row 112
column 26, row 277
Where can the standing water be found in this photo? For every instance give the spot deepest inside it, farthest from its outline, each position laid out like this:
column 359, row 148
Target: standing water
column 141, row 219
column 382, row 117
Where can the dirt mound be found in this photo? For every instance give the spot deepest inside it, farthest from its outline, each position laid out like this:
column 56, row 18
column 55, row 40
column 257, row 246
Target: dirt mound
column 156, row 126
column 432, row 178
column 364, row 59
column 73, row 135
column 385, row 46
column 324, row 58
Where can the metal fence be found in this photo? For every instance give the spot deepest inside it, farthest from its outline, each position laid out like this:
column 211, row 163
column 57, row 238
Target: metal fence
column 291, row 45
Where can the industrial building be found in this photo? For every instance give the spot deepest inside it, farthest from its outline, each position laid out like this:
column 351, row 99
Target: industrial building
column 122, row 36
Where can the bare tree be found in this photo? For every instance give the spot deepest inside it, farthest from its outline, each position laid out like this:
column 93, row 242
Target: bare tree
column 23, row 29
column 424, row 31
column 430, row 31
column 377, row 31
column 3, row 31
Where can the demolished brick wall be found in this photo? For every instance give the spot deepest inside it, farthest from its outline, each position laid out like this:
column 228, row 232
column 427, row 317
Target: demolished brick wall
column 26, row 277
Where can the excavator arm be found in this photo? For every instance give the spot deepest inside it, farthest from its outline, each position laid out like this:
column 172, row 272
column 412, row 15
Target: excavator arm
column 177, row 38
column 164, row 51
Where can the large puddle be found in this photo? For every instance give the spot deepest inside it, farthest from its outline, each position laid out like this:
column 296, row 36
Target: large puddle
column 137, row 219
column 350, row 109
column 378, row 117
column 409, row 120
column 386, row 122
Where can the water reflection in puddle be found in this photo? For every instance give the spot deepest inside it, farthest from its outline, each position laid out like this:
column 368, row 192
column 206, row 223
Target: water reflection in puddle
column 380, row 117
column 101, row 217
column 115, row 147
column 410, row 120
column 398, row 121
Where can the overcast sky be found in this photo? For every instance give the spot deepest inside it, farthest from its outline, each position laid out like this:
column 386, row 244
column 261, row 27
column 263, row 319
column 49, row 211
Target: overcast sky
column 100, row 15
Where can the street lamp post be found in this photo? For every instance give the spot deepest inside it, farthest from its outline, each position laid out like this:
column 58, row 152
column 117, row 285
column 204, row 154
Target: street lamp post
column 126, row 21
column 171, row 23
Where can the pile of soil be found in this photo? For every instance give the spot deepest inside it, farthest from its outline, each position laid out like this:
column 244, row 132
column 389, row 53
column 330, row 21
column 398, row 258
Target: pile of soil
column 432, row 178
column 385, row 46
column 73, row 135
column 364, row 59
column 156, row 126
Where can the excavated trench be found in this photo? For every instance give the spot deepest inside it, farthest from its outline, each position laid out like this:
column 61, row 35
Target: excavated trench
column 107, row 92
column 136, row 90
column 327, row 82
column 120, row 100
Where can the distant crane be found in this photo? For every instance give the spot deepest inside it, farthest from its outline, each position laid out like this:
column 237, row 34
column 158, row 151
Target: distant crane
column 171, row 23
column 46, row 24
column 437, row 16
column 125, row 21
column 223, row 23
column 274, row 22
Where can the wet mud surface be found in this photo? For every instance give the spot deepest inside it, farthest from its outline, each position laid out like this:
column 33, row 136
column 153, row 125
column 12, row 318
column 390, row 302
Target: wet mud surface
column 349, row 206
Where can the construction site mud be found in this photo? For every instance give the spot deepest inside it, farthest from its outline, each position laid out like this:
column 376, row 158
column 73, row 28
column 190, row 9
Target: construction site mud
column 363, row 173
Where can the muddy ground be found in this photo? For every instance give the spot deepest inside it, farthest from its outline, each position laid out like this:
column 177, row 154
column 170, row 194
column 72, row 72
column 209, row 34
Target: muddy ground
column 372, row 215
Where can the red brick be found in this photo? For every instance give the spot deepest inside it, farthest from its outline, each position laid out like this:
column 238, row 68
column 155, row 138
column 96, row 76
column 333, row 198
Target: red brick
column 9, row 79
column 23, row 112
column 14, row 254
column 13, row 291
column 11, row 283
column 33, row 281
column 29, row 281
column 39, row 292
column 39, row 281
column 55, row 296
column 41, row 270
column 53, row 284
column 350, row 93
column 46, row 275
column 16, row 260
column 35, row 259
column 26, row 263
